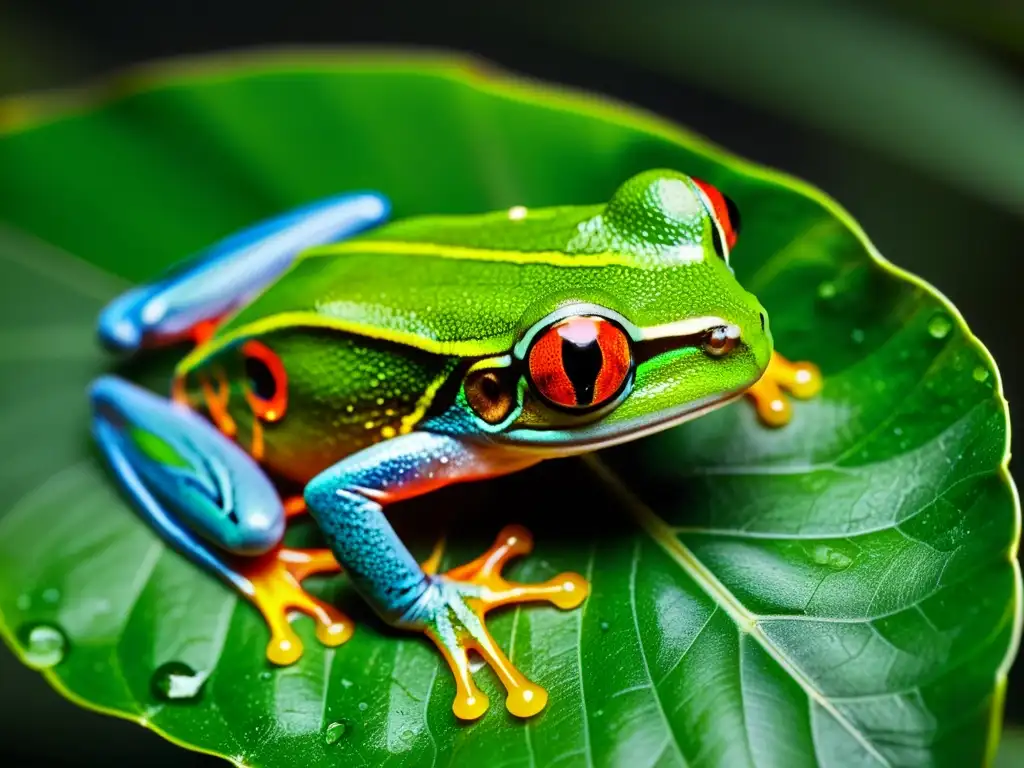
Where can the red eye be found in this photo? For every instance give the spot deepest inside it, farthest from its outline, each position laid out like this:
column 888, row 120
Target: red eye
column 724, row 210
column 266, row 381
column 580, row 362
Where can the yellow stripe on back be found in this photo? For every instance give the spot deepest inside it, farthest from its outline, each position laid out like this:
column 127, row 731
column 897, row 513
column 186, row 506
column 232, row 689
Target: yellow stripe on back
column 465, row 253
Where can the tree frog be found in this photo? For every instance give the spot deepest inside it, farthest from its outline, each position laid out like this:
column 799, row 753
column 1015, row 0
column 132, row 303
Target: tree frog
column 368, row 362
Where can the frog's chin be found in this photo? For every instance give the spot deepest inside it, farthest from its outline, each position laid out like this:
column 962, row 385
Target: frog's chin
column 555, row 443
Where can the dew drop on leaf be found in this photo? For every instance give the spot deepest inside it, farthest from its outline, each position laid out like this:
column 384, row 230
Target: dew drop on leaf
column 980, row 374
column 51, row 595
column 857, row 335
column 335, row 731
column 833, row 558
column 604, row 626
column 44, row 645
column 939, row 326
column 827, row 290
column 24, row 602
column 177, row 682
column 265, row 675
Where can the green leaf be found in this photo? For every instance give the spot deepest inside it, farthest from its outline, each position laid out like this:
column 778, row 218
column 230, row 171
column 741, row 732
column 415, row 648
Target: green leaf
column 841, row 592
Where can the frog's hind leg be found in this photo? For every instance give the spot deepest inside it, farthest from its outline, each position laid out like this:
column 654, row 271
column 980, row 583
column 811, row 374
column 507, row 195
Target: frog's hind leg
column 212, row 503
column 188, row 302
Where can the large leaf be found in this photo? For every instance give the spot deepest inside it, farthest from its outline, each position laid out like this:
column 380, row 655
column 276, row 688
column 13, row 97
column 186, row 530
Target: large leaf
column 841, row 592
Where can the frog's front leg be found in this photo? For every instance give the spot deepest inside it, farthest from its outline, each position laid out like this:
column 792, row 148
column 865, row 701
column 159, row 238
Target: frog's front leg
column 190, row 300
column 346, row 500
column 211, row 502
column 801, row 380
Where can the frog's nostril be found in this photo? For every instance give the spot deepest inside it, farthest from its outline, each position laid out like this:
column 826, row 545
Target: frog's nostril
column 762, row 321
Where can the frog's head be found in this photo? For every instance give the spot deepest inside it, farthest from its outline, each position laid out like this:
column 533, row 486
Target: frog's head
column 650, row 330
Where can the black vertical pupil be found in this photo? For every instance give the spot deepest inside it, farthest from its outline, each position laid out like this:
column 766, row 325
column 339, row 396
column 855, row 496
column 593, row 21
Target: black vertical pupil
column 717, row 240
column 734, row 215
column 582, row 363
column 261, row 379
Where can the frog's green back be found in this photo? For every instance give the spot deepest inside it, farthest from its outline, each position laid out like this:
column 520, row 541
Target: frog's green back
column 465, row 285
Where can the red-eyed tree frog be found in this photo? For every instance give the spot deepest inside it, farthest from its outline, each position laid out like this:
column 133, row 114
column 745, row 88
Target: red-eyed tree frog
column 368, row 362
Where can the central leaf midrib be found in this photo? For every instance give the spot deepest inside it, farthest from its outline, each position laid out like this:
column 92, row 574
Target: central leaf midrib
column 747, row 622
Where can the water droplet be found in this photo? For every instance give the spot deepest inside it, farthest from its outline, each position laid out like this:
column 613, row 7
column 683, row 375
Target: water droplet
column 857, row 335
column 24, row 602
column 407, row 735
column 363, row 706
column 346, row 683
column 897, row 431
column 176, row 681
column 827, row 290
column 51, row 595
column 604, row 626
column 44, row 645
column 336, row 730
column 939, row 326
column 833, row 558
column 980, row 374
column 265, row 675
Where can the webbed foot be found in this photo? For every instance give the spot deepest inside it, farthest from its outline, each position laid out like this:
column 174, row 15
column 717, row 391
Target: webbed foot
column 801, row 380
column 275, row 581
column 452, row 613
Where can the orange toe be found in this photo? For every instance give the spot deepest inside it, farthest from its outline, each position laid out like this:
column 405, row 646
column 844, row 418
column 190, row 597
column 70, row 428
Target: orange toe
column 275, row 581
column 474, row 589
column 801, row 380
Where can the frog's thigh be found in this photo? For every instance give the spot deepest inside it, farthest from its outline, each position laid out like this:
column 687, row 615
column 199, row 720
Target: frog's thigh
column 211, row 502
column 187, row 479
column 189, row 301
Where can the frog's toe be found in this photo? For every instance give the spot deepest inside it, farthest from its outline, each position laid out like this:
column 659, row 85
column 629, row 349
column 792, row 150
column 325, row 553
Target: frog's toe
column 275, row 582
column 453, row 612
column 801, row 380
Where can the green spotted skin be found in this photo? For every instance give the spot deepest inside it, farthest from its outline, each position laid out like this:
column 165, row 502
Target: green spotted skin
column 420, row 300
column 345, row 393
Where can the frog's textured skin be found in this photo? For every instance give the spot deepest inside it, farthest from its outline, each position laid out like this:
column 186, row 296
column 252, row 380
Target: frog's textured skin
column 368, row 364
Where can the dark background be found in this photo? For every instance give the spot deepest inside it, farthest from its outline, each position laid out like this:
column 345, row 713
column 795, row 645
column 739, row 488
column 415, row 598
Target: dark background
column 910, row 113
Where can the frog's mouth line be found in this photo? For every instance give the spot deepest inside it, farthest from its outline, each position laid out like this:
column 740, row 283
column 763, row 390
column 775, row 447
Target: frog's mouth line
column 598, row 436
